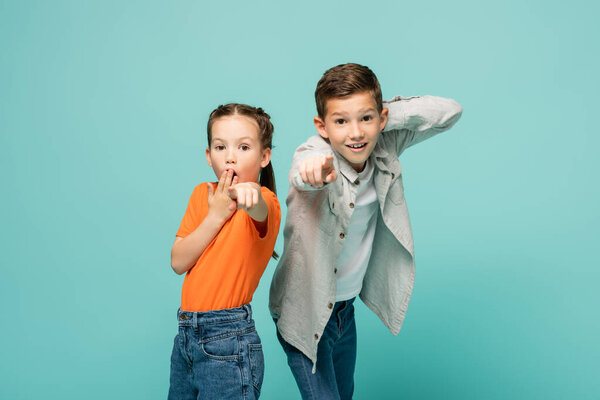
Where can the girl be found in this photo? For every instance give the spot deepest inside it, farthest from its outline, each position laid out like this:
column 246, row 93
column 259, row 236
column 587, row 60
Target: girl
column 224, row 243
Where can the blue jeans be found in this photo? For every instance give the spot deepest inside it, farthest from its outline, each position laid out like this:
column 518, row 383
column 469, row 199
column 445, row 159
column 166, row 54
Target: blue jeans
column 216, row 355
column 336, row 358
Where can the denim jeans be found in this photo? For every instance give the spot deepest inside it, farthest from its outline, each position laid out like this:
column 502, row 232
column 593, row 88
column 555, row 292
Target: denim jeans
column 336, row 358
column 216, row 355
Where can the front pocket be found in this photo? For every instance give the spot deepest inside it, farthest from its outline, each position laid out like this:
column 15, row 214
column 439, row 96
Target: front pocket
column 257, row 365
column 227, row 348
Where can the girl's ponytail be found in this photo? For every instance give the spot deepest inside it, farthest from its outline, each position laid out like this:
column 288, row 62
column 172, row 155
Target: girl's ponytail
column 267, row 178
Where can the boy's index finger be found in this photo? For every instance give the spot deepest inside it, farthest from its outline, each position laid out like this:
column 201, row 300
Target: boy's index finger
column 327, row 162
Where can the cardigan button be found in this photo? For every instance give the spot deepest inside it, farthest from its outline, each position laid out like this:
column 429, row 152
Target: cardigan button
column 342, row 235
column 393, row 175
column 357, row 181
column 335, row 270
column 330, row 305
column 351, row 205
column 316, row 336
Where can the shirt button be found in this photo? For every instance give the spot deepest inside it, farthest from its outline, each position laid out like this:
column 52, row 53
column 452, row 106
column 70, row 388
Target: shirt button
column 316, row 336
column 357, row 181
column 330, row 305
column 335, row 270
column 393, row 175
column 351, row 205
column 342, row 235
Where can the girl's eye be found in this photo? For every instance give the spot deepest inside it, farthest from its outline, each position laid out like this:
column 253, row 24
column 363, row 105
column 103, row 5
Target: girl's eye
column 367, row 118
column 219, row 147
column 245, row 147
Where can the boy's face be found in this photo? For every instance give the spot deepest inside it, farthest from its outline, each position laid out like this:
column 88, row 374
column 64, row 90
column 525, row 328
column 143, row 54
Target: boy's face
column 352, row 125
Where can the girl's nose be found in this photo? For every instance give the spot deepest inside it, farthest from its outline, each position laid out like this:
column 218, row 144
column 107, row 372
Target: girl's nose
column 230, row 158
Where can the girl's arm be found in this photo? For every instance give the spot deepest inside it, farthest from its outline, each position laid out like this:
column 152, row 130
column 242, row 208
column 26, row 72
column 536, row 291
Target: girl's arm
column 187, row 250
column 248, row 197
column 414, row 119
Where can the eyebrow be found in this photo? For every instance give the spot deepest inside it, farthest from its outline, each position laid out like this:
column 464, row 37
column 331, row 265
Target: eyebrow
column 243, row 138
column 361, row 111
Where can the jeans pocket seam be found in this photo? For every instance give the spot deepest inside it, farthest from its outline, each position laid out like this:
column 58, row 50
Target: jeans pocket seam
column 251, row 349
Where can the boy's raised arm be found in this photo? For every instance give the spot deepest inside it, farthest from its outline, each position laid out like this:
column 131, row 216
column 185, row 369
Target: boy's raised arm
column 422, row 116
column 312, row 167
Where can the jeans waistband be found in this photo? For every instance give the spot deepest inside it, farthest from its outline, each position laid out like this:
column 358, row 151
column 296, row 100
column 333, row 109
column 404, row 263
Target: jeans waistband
column 195, row 318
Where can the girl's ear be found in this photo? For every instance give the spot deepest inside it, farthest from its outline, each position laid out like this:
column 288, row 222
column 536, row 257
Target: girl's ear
column 266, row 157
column 320, row 125
column 208, row 160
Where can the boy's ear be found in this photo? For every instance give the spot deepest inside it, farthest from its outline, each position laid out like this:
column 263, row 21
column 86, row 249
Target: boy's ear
column 266, row 157
column 208, row 157
column 320, row 125
column 383, row 118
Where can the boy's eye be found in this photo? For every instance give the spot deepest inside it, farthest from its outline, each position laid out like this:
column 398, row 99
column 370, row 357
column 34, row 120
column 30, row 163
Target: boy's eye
column 245, row 147
column 340, row 121
column 367, row 118
column 219, row 147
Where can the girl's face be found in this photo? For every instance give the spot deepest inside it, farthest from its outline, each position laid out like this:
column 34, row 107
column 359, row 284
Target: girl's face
column 236, row 145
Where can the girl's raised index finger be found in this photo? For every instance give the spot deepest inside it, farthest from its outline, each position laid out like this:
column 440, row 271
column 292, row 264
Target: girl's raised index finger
column 228, row 179
column 221, row 183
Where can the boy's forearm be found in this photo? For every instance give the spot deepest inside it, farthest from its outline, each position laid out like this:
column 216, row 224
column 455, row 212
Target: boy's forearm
column 422, row 113
column 312, row 147
column 187, row 250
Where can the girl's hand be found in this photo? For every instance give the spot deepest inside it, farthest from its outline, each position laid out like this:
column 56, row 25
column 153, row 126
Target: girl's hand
column 318, row 171
column 246, row 194
column 220, row 205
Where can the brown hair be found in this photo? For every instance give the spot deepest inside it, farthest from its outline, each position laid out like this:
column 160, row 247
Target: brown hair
column 265, row 129
column 345, row 80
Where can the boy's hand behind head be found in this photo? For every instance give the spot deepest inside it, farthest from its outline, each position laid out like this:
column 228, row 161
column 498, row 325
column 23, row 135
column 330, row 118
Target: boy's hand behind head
column 318, row 171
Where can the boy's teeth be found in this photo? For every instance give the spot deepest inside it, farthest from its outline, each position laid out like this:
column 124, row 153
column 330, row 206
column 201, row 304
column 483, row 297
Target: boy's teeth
column 356, row 146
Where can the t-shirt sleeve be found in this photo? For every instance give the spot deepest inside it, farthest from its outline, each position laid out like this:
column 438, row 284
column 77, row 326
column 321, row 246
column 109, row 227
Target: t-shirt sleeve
column 274, row 216
column 195, row 212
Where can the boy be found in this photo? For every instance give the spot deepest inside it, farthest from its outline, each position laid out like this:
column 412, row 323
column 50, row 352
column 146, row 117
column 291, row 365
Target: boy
column 347, row 231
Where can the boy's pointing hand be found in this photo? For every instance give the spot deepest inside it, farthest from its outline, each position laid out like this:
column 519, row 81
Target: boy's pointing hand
column 318, row 171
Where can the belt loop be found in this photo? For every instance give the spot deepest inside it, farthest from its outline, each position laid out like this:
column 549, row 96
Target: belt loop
column 195, row 321
column 249, row 311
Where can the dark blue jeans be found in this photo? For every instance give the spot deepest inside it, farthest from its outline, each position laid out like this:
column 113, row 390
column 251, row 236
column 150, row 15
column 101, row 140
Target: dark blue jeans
column 336, row 358
column 216, row 355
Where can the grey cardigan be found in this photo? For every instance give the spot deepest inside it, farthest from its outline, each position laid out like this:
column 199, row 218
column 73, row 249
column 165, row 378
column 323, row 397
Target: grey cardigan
column 304, row 283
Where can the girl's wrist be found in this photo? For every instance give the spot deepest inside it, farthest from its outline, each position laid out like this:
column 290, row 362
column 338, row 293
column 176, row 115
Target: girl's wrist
column 214, row 219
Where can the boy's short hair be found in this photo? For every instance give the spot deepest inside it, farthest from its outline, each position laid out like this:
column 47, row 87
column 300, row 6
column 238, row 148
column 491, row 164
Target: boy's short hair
column 345, row 80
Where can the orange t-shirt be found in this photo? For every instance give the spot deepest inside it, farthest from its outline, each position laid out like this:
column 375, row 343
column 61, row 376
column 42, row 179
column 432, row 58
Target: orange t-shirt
column 228, row 271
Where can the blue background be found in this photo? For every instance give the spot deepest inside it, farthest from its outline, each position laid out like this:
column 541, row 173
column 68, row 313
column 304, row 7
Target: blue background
column 103, row 107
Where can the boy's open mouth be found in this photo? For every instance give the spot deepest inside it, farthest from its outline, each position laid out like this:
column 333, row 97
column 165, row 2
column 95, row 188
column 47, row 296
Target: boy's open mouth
column 356, row 146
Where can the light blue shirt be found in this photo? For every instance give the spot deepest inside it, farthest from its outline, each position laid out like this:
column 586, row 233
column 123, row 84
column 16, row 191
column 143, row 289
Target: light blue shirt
column 303, row 289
